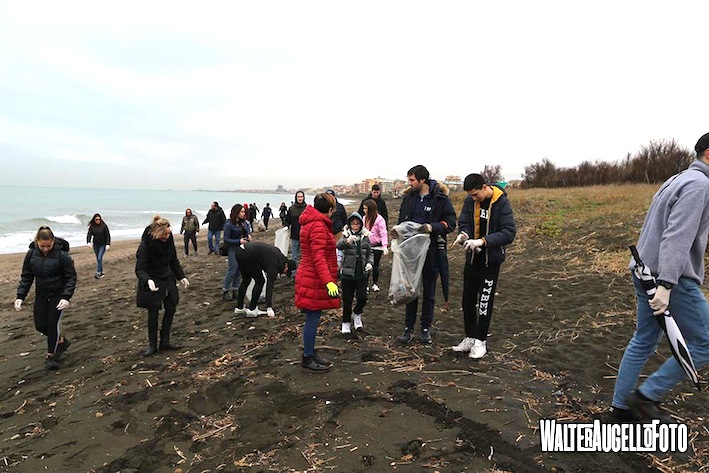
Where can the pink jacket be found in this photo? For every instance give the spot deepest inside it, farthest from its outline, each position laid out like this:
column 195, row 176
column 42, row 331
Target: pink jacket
column 378, row 232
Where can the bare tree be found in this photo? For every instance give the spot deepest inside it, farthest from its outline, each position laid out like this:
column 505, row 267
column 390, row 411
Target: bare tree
column 492, row 174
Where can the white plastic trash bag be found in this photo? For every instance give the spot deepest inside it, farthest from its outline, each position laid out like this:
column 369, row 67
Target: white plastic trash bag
column 282, row 241
column 409, row 249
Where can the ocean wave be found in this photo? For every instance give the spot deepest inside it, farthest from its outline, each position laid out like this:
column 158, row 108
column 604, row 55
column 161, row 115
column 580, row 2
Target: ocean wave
column 69, row 219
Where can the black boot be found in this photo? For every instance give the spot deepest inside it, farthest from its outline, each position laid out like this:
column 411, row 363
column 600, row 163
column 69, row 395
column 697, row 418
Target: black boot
column 166, row 345
column 151, row 350
column 309, row 363
column 322, row 361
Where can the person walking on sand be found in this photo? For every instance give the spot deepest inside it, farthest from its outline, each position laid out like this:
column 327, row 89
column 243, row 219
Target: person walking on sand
column 48, row 262
column 101, row 236
column 376, row 196
column 315, row 285
column 672, row 243
column 216, row 220
column 425, row 203
column 254, row 260
column 158, row 269
column 486, row 227
column 357, row 263
column 282, row 212
column 378, row 237
column 236, row 234
column 266, row 214
column 190, row 228
column 293, row 222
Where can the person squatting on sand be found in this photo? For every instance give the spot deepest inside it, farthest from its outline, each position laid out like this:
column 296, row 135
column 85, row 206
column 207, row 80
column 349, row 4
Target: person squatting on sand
column 426, row 204
column 357, row 262
column 48, row 262
column 486, row 227
column 236, row 233
column 378, row 237
column 216, row 220
column 672, row 243
column 158, row 271
column 293, row 222
column 315, row 284
column 255, row 259
column 190, row 228
column 98, row 232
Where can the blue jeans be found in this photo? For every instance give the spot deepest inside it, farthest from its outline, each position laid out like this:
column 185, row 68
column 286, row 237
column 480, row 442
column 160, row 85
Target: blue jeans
column 690, row 310
column 99, row 250
column 232, row 278
column 216, row 234
column 295, row 250
column 312, row 320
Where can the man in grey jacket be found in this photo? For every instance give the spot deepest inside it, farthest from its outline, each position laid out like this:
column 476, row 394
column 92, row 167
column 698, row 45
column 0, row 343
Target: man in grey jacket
column 672, row 244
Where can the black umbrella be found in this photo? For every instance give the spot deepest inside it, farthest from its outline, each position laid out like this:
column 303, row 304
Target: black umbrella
column 666, row 321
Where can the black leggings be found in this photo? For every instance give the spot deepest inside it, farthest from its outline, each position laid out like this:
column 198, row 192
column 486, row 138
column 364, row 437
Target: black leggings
column 170, row 308
column 190, row 237
column 349, row 288
column 375, row 268
column 47, row 319
column 479, row 283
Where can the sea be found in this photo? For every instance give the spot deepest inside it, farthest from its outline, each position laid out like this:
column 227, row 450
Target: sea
column 67, row 211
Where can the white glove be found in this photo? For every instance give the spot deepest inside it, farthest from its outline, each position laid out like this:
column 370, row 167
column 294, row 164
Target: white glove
column 108, row 247
column 351, row 239
column 470, row 245
column 386, row 251
column 426, row 228
column 90, row 245
column 63, row 304
column 185, row 282
column 270, row 312
column 18, row 304
column 462, row 237
column 368, row 267
column 661, row 301
column 152, row 286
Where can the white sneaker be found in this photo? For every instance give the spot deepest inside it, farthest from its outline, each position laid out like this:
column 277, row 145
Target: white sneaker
column 479, row 350
column 241, row 310
column 465, row 345
column 346, row 328
column 357, row 319
column 375, row 288
column 252, row 313
column 270, row 312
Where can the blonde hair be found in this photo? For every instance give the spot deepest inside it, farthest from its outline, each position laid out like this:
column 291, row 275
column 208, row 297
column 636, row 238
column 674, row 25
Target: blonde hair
column 159, row 226
column 44, row 234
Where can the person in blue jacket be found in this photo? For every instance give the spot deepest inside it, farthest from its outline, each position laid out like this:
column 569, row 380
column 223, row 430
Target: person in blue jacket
column 486, row 227
column 424, row 203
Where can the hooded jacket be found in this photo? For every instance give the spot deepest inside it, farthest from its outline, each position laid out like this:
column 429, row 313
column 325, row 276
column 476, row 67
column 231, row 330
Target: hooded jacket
column 360, row 250
column 501, row 228
column 441, row 215
column 54, row 272
column 157, row 260
column 293, row 216
column 318, row 262
column 216, row 219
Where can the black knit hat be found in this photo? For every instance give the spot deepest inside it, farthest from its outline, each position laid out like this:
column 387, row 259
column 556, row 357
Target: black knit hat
column 702, row 144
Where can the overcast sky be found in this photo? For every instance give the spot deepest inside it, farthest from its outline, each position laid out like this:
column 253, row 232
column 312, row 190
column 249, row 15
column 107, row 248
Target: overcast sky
column 251, row 94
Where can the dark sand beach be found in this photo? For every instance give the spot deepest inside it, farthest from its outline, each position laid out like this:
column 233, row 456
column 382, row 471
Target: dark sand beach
column 235, row 399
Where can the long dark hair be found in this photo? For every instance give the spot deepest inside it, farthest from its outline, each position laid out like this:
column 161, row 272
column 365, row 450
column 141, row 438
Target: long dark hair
column 234, row 214
column 372, row 213
column 93, row 223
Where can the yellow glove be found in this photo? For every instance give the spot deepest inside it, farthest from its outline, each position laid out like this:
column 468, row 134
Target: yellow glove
column 332, row 289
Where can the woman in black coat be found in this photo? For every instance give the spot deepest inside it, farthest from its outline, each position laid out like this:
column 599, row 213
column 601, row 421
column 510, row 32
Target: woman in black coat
column 101, row 236
column 48, row 262
column 158, row 271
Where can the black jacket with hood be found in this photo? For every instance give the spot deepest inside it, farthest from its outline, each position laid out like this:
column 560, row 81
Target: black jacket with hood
column 157, row 260
column 54, row 272
column 216, row 219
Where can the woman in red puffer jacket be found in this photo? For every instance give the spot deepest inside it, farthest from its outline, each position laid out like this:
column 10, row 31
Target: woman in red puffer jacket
column 315, row 282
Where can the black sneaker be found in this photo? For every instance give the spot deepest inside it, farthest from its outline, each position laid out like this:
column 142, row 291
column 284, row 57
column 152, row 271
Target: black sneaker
column 169, row 346
column 61, row 348
column 151, row 350
column 51, row 364
column 425, row 337
column 322, row 361
column 646, row 410
column 97, row 276
column 101, row 275
column 407, row 336
column 310, row 363
column 226, row 295
column 616, row 415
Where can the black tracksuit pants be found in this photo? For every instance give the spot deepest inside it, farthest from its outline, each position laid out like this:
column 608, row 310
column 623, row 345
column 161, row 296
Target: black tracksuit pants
column 350, row 287
column 479, row 283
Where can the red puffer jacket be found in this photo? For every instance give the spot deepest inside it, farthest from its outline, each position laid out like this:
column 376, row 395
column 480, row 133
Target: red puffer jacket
column 318, row 262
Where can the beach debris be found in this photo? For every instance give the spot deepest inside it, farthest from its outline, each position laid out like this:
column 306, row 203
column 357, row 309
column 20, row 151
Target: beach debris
column 24, row 353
